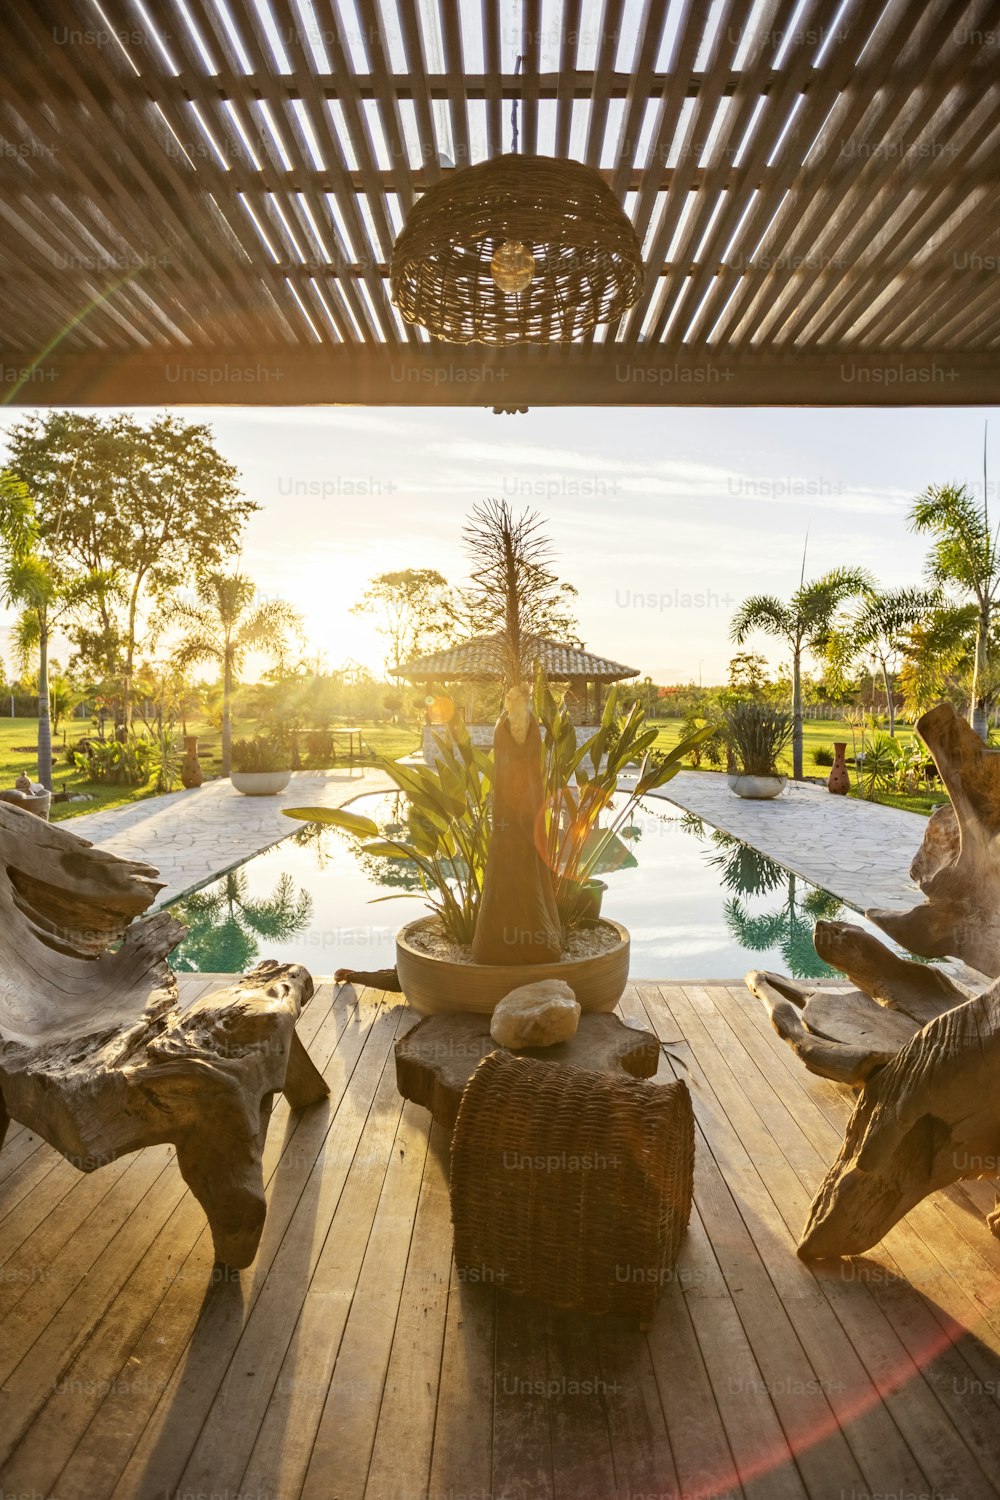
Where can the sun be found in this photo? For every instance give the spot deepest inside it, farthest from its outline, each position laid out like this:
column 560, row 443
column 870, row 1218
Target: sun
column 323, row 585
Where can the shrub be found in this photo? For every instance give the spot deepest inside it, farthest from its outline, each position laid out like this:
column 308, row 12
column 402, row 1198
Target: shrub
column 879, row 766
column 823, row 755
column 116, row 764
column 757, row 734
column 319, row 746
column 166, row 760
column 261, row 754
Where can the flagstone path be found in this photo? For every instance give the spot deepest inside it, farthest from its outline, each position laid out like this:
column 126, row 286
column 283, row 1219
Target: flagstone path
column 192, row 836
column 861, row 851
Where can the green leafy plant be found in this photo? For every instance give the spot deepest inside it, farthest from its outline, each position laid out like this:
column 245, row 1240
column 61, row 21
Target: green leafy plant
column 261, row 754
column 582, row 780
column 319, row 746
column 166, row 760
column 711, row 746
column 878, row 765
column 114, row 763
column 823, row 755
column 757, row 734
column 447, row 832
column 449, row 817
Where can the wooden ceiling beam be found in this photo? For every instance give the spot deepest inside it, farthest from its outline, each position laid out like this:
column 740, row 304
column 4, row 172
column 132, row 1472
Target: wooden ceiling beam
column 879, row 193
column 465, row 376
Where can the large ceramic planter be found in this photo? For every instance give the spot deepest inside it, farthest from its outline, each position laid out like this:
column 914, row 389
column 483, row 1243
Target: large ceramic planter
column 435, row 986
column 260, row 783
column 758, row 788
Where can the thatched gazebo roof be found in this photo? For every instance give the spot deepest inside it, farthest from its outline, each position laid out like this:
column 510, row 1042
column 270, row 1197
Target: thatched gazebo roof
column 475, row 661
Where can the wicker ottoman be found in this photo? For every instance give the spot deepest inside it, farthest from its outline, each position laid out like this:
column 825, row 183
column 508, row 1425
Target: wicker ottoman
column 571, row 1186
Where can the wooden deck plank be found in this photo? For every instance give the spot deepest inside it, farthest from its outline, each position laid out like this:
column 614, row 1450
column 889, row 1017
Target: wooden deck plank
column 853, row 1398
column 237, row 1331
column 462, row 1444
column 291, row 1348
column 522, row 1433
column 943, row 1456
column 107, row 1362
column 351, row 1360
column 19, row 1143
column 349, row 1418
column 401, row 1456
column 196, row 1292
column 764, row 1461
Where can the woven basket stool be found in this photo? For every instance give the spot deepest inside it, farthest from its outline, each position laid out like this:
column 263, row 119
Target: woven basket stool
column 571, row 1186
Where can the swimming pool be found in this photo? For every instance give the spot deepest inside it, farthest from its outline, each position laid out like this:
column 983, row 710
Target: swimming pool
column 698, row 903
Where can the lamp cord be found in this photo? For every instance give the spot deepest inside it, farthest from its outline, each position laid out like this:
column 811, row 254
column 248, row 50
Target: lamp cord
column 513, row 109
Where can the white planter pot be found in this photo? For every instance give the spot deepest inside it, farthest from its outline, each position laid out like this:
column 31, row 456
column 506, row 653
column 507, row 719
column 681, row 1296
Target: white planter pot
column 260, row 783
column 758, row 788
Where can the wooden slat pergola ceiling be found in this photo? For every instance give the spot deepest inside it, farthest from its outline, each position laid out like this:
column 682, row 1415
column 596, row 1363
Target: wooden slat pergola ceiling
column 199, row 197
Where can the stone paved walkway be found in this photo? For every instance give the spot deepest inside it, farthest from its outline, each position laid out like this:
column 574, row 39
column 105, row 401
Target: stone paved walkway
column 191, row 836
column 861, row 851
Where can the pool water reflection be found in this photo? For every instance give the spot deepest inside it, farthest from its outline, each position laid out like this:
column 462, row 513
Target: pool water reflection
column 698, row 903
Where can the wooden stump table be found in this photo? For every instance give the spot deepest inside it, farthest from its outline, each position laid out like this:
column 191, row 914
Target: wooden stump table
column 437, row 1058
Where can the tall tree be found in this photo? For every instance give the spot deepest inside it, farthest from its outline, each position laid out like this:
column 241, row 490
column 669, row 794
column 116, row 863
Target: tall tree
column 964, row 553
column 147, row 507
column 514, row 593
column 878, row 628
column 412, row 608
column 224, row 625
column 46, row 595
column 803, row 623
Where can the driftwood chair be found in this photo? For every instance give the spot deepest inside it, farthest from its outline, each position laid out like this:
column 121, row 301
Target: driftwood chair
column 922, row 1048
column 98, row 1057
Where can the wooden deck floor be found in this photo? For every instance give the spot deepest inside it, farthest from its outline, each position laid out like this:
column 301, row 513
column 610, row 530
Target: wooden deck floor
column 350, row 1361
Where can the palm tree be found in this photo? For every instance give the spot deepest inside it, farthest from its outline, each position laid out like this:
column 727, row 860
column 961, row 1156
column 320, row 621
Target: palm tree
column 789, row 929
column 964, row 553
column 45, row 594
column 878, row 628
column 223, row 626
column 803, row 624
column 225, row 923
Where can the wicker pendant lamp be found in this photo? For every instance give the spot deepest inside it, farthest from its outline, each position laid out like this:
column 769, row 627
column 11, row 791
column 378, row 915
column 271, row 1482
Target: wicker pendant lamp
column 520, row 249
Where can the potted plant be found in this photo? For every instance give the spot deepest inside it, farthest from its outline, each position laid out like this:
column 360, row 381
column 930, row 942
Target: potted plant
column 756, row 734
column 507, row 840
column 260, row 767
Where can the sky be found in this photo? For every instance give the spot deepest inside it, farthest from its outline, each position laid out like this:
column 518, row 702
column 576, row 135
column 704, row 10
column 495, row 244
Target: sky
column 663, row 519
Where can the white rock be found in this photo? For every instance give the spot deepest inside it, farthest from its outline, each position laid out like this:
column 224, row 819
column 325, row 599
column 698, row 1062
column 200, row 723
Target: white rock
column 536, row 1015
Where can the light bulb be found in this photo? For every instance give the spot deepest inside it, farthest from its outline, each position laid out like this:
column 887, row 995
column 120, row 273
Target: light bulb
column 512, row 267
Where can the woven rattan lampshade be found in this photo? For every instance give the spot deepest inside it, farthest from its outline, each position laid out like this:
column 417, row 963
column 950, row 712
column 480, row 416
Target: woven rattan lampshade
column 497, row 224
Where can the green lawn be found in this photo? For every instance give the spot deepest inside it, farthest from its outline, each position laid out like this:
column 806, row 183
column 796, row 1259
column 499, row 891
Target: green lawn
column 19, row 736
column 387, row 740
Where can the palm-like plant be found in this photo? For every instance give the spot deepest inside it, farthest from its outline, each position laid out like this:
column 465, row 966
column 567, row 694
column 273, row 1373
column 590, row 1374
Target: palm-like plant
column 789, row 929
column 224, row 625
column 803, row 623
column 225, row 923
column 878, row 628
column 964, row 553
column 33, row 582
